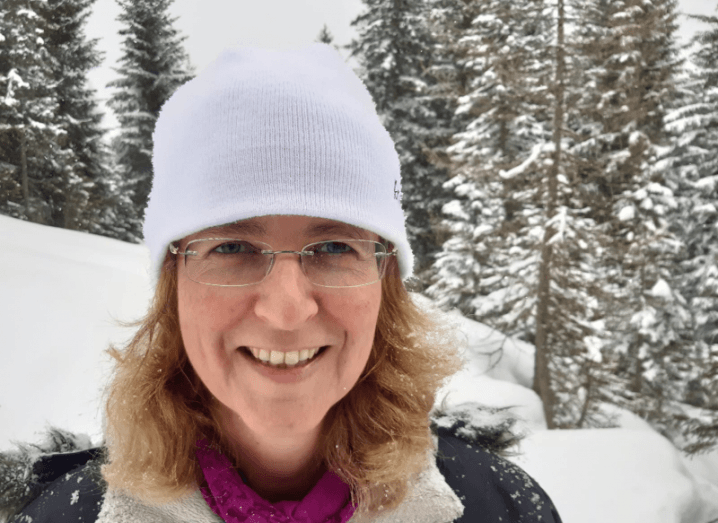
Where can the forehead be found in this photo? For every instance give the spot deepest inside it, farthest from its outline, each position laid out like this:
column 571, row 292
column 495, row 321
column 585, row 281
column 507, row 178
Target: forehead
column 311, row 228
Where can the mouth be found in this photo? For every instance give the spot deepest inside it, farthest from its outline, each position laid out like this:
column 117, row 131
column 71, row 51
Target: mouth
column 284, row 360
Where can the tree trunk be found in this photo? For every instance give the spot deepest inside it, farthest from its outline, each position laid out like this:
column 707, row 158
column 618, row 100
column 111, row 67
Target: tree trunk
column 542, row 376
column 589, row 390
column 24, row 180
column 69, row 207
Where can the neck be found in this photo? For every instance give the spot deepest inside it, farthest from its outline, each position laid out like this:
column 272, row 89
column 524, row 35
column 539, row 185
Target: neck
column 278, row 467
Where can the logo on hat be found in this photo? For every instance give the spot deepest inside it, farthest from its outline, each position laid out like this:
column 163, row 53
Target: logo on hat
column 398, row 195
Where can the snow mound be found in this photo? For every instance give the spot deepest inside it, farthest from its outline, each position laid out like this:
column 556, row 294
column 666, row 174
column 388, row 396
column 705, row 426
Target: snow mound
column 704, row 466
column 491, row 353
column 62, row 294
column 469, row 385
column 616, row 475
column 498, row 370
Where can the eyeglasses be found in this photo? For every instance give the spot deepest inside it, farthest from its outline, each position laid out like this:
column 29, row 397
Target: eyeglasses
column 232, row 262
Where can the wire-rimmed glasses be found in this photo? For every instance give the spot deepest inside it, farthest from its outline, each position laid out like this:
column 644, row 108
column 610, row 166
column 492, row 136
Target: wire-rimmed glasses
column 233, row 262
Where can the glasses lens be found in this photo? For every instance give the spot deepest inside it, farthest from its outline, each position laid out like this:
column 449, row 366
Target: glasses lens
column 344, row 263
column 226, row 261
column 338, row 263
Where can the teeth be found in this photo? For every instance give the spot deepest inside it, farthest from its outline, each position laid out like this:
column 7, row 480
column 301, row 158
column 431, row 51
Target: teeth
column 290, row 359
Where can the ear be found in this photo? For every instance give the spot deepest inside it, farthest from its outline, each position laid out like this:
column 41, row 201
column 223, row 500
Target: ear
column 170, row 262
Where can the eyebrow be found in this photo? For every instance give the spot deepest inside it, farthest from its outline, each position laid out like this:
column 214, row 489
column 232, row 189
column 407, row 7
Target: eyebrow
column 257, row 229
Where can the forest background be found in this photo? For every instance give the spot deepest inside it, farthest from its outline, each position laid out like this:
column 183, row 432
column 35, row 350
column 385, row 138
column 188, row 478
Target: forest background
column 559, row 163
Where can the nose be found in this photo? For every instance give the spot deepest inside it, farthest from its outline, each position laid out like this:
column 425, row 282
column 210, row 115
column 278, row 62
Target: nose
column 286, row 297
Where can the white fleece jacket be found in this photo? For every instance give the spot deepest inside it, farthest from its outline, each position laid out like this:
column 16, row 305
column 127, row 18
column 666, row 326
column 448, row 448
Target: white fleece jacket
column 431, row 500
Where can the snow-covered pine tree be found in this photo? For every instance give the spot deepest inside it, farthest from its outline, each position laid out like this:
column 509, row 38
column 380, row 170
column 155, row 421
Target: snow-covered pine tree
column 117, row 218
column 28, row 134
column 523, row 251
column 475, row 206
column 694, row 156
column 394, row 50
column 447, row 21
column 78, row 163
column 630, row 48
column 499, row 51
column 153, row 65
column 570, row 373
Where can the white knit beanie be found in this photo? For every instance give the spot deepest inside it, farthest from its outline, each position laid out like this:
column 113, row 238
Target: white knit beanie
column 264, row 132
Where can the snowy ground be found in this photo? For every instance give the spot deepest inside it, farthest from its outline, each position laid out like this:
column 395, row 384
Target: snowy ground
column 64, row 291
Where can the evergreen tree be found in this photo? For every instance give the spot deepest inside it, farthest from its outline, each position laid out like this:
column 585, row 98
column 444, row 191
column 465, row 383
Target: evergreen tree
column 28, row 134
column 79, row 165
column 569, row 240
column 694, row 157
column 325, row 36
column 501, row 119
column 570, row 375
column 395, row 49
column 488, row 269
column 117, row 218
column 632, row 65
column 62, row 167
column 524, row 250
column 153, row 65
column 455, row 271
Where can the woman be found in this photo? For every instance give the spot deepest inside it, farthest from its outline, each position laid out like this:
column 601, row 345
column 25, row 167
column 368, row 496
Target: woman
column 283, row 373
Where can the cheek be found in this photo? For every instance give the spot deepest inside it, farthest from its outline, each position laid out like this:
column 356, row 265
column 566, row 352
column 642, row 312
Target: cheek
column 360, row 324
column 367, row 318
column 204, row 319
column 202, row 311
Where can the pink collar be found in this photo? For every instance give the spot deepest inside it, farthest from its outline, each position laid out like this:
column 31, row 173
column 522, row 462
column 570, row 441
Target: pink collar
column 235, row 502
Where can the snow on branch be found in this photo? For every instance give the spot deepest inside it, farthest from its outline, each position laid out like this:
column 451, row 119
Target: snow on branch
column 627, row 213
column 13, row 80
column 708, row 183
column 529, row 162
column 559, row 221
column 453, row 208
column 661, row 290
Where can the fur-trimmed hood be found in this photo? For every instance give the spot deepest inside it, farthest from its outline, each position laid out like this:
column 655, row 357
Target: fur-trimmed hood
column 26, row 471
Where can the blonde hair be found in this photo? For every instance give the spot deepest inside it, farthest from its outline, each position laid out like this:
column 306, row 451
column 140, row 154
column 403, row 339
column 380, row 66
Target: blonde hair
column 376, row 438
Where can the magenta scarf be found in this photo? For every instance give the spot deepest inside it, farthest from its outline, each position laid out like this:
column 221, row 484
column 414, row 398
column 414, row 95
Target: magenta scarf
column 235, row 502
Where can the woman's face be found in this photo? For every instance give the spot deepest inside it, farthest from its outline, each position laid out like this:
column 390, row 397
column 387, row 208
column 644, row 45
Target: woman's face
column 284, row 313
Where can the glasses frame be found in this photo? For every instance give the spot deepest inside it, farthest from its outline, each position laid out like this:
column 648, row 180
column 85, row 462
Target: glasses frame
column 174, row 249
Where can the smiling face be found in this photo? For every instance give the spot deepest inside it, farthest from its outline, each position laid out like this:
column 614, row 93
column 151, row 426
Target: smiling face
column 284, row 313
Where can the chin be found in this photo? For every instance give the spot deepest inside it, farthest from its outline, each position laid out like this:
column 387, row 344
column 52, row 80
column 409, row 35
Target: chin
column 282, row 416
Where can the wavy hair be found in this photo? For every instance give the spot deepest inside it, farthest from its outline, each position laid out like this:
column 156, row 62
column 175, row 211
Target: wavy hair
column 376, row 438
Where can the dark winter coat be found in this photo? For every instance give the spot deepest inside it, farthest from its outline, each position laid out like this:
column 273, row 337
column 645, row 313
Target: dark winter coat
column 468, row 476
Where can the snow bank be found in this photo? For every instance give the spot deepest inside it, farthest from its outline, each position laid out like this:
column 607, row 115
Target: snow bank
column 62, row 292
column 470, row 385
column 617, row 475
column 492, row 353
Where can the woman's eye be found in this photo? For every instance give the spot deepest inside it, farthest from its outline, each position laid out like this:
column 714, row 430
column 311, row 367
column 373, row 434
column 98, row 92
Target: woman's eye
column 334, row 248
column 231, row 248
